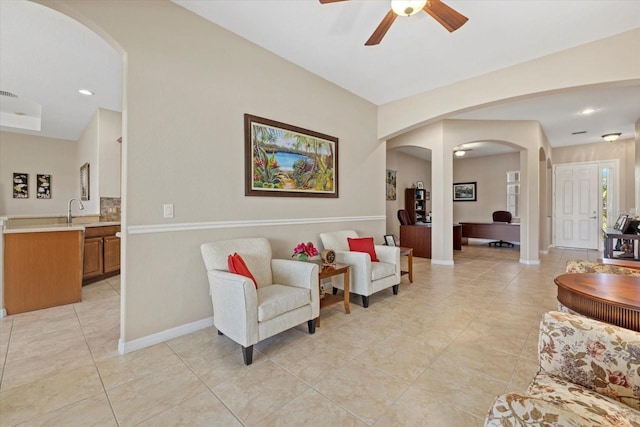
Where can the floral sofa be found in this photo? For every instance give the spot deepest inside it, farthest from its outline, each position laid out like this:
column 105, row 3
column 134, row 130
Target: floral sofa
column 582, row 266
column 589, row 376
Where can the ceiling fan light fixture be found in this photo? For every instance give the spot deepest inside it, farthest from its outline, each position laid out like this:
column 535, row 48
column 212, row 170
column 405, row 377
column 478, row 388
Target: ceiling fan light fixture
column 610, row 137
column 407, row 7
column 459, row 153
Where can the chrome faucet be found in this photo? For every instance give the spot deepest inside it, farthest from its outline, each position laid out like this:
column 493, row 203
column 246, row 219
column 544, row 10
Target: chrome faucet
column 69, row 210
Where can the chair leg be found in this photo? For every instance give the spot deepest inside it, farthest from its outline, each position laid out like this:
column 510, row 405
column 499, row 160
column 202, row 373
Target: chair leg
column 395, row 289
column 312, row 326
column 334, row 290
column 365, row 301
column 247, row 355
column 220, row 333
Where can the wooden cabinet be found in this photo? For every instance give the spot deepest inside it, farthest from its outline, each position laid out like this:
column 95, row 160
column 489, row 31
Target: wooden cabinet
column 101, row 253
column 111, row 254
column 415, row 202
column 418, row 237
column 92, row 263
column 42, row 269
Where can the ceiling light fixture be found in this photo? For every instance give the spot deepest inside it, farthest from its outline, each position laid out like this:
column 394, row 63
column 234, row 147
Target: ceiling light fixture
column 460, row 151
column 588, row 111
column 610, row 137
column 407, row 7
column 85, row 92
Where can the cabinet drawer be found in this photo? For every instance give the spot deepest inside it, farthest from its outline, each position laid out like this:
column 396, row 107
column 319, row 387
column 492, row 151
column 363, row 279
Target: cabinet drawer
column 101, row 231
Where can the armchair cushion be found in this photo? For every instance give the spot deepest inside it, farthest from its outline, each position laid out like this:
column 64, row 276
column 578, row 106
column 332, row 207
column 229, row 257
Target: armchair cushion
column 363, row 244
column 277, row 299
column 380, row 270
column 237, row 266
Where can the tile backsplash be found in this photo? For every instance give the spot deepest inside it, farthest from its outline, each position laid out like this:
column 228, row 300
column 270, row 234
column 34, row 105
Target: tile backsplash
column 109, row 208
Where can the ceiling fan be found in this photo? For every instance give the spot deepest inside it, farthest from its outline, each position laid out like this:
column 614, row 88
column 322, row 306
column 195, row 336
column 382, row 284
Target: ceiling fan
column 446, row 16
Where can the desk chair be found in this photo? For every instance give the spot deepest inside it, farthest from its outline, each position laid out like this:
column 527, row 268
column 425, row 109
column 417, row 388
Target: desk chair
column 404, row 217
column 501, row 216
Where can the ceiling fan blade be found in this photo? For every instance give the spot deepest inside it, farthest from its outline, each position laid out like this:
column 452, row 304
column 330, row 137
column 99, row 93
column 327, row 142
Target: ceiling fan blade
column 382, row 29
column 330, row 1
column 447, row 17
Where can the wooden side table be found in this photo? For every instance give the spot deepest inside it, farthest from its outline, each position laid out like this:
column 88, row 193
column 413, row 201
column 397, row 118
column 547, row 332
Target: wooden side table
column 610, row 298
column 330, row 299
column 408, row 252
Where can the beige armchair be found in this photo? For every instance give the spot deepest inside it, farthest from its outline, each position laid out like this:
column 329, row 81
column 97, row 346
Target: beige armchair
column 367, row 277
column 287, row 293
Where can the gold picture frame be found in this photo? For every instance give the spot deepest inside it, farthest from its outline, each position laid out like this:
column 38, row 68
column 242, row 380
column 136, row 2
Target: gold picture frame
column 287, row 161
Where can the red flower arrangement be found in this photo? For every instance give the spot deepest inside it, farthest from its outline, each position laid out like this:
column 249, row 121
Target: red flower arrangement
column 305, row 251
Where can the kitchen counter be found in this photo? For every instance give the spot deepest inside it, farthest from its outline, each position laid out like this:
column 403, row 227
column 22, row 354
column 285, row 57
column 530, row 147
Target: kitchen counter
column 57, row 227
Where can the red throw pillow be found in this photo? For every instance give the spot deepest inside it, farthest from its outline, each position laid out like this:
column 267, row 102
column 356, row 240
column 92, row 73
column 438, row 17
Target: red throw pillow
column 237, row 265
column 363, row 244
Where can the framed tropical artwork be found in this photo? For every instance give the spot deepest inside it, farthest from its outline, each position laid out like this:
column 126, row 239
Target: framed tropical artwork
column 285, row 160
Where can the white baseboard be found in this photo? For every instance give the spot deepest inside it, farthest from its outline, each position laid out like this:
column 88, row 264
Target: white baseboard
column 530, row 261
column 166, row 335
column 3, row 313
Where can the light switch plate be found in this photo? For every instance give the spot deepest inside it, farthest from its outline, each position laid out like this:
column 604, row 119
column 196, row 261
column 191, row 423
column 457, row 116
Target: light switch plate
column 168, row 210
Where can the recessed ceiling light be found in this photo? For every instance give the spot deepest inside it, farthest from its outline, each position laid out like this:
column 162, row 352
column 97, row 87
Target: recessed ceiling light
column 588, row 111
column 85, row 92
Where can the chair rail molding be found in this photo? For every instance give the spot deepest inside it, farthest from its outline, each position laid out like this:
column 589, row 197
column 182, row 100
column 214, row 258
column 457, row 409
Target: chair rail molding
column 164, row 228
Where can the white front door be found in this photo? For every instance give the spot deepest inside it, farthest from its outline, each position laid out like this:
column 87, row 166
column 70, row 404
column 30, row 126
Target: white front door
column 576, row 206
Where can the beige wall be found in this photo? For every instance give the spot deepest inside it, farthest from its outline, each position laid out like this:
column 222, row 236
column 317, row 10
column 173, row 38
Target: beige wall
column 109, row 170
column 88, row 153
column 188, row 84
column 490, row 173
column 410, row 170
column 99, row 147
column 37, row 155
column 624, row 150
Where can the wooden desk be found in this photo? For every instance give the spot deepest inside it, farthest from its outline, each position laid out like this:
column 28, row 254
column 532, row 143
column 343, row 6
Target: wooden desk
column 329, row 271
column 508, row 232
column 610, row 298
column 418, row 237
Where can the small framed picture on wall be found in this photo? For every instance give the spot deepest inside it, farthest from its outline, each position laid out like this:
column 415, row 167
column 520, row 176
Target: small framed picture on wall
column 84, row 182
column 43, row 190
column 20, row 185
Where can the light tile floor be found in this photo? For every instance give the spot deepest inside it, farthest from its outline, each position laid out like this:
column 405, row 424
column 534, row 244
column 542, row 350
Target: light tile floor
column 436, row 354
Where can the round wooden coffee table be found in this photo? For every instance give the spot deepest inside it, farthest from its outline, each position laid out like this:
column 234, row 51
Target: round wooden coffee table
column 611, row 298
